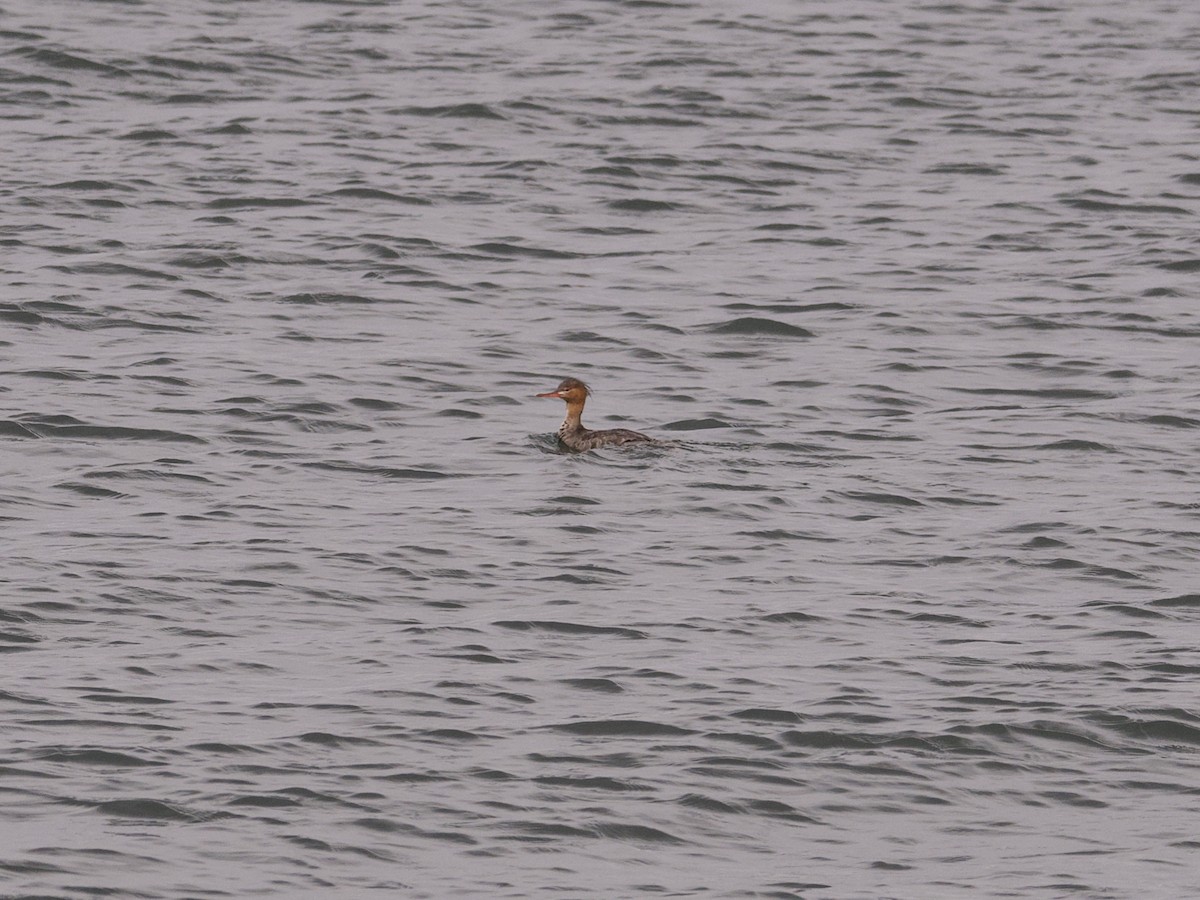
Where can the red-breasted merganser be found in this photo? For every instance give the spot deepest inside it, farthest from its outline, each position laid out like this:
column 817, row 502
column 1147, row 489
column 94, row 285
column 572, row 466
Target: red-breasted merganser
column 574, row 436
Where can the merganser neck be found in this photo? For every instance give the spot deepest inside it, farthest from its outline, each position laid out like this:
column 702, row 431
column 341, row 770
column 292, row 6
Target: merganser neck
column 574, row 420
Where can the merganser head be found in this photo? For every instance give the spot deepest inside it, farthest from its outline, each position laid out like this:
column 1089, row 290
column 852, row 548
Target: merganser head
column 570, row 389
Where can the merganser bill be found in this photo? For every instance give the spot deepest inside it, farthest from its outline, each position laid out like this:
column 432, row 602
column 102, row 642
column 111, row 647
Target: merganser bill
column 572, row 434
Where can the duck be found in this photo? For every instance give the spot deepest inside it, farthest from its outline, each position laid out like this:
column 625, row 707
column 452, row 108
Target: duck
column 572, row 435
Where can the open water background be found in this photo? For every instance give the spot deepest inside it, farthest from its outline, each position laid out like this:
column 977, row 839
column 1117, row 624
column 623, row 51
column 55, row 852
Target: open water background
column 299, row 600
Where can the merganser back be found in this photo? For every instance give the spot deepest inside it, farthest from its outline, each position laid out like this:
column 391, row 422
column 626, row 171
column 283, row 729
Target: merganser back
column 572, row 434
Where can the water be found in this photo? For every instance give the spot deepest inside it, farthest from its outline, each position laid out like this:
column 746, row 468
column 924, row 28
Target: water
column 299, row 599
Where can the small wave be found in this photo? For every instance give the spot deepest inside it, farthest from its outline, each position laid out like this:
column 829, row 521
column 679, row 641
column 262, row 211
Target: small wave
column 600, row 685
column 642, row 204
column 966, row 169
column 326, row 298
column 198, row 259
column 108, row 268
column 380, row 471
column 884, row 499
column 696, row 425
column 1155, row 729
column 153, row 810
column 768, row 715
column 499, row 248
column 1075, row 444
column 149, row 135
column 782, row 534
column 620, row 728
column 90, row 490
column 1107, row 206
column 88, row 184
column 1172, row 421
column 1067, row 564
column 573, row 628
column 257, row 202
column 540, row 831
column 1044, row 393
column 326, row 739
column 455, row 111
column 592, row 782
column 15, row 640
column 1186, row 601
column 1181, row 265
column 9, row 428
column 755, row 326
column 109, row 433
column 59, row 59
column 125, row 699
column 642, row 834
column 791, row 618
column 377, row 194
column 95, row 756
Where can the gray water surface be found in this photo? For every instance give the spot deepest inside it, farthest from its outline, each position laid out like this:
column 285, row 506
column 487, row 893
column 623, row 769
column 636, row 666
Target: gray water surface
column 300, row 599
